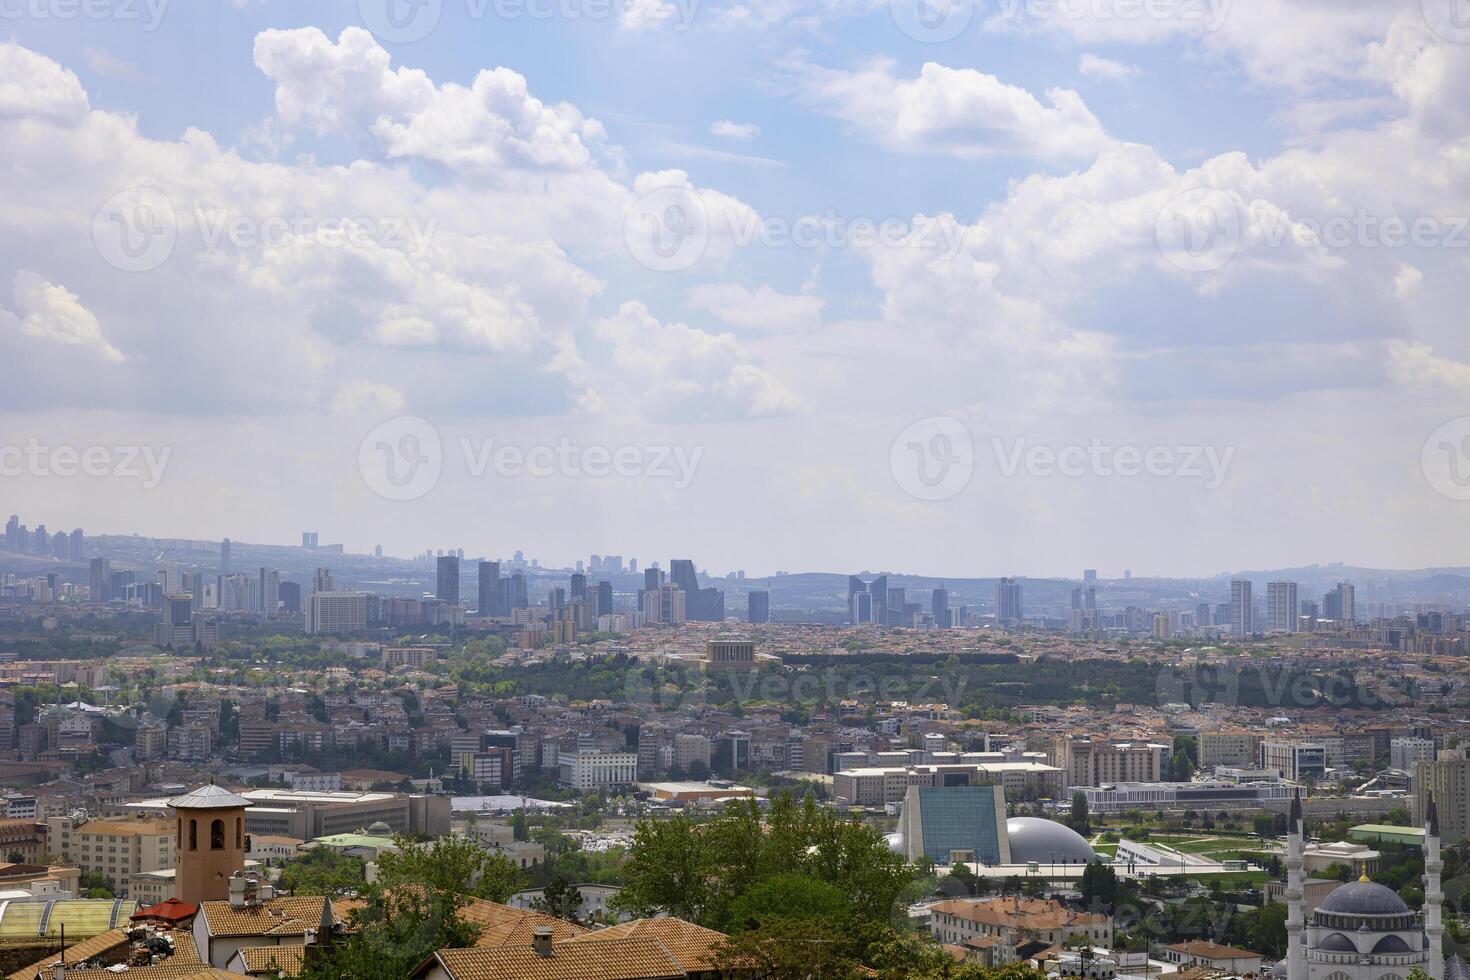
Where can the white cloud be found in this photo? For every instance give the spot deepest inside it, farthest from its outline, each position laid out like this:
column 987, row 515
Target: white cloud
column 1100, row 67
column 349, row 86
column 734, row 130
column 677, row 373
column 962, row 112
column 761, row 308
column 55, row 315
column 35, row 86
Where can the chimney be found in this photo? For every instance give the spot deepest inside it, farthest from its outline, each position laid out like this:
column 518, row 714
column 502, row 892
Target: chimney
column 58, row 971
column 541, row 940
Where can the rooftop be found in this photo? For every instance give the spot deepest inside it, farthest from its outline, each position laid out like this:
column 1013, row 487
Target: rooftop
column 209, row 797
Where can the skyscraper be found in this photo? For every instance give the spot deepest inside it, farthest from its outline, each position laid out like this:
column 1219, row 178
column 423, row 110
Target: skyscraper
column 1340, row 605
column 1282, row 608
column 12, row 531
column 666, row 604
column 604, row 598
column 939, row 606
column 579, row 586
column 854, row 586
column 291, row 598
column 1242, row 616
column 448, row 584
column 100, row 580
column 1008, row 609
column 758, row 606
column 489, row 592
column 309, row 539
column 321, row 580
column 270, row 591
column 878, row 590
column 224, row 556
column 74, row 548
column 701, row 605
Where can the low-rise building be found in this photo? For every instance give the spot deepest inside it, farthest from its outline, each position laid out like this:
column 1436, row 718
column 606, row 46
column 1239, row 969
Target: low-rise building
column 1212, row 956
column 1012, row 921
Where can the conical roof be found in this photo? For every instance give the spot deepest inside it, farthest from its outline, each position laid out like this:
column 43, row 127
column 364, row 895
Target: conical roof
column 209, row 797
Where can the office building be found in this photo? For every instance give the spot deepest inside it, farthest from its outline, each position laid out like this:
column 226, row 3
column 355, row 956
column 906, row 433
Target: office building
column 1008, row 608
column 336, row 612
column 604, row 604
column 592, row 770
column 489, row 590
column 701, row 605
column 448, row 580
column 1340, row 605
column 939, row 608
column 270, row 591
column 291, row 598
column 1297, row 762
column 100, row 580
column 666, row 604
column 758, row 606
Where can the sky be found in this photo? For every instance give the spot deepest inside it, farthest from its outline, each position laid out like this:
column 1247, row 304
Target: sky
column 952, row 287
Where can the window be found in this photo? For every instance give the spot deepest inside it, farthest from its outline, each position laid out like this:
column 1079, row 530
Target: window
column 193, row 835
column 239, row 833
column 217, row 835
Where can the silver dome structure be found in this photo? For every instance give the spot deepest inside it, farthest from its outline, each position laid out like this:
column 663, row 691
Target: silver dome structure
column 1034, row 839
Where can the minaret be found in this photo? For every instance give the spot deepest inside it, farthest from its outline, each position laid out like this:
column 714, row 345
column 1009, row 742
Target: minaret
column 1296, row 963
column 1433, row 866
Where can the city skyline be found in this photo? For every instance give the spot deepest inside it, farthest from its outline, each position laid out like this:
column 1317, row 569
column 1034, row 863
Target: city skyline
column 1116, row 323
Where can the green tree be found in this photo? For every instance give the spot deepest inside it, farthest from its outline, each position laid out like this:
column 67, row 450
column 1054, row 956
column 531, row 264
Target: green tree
column 411, row 910
column 454, row 864
column 1099, row 887
column 1081, row 820
column 322, row 871
column 697, row 871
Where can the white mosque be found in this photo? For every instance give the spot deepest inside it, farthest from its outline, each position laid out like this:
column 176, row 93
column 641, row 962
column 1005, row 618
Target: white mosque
column 1363, row 930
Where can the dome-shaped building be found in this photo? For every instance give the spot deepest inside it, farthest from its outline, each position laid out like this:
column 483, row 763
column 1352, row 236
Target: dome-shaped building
column 1034, row 839
column 1362, row 930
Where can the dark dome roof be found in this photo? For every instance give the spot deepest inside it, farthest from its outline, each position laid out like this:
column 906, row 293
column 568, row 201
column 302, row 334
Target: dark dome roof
column 1337, row 943
column 1364, row 898
column 1046, row 842
column 1392, row 944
